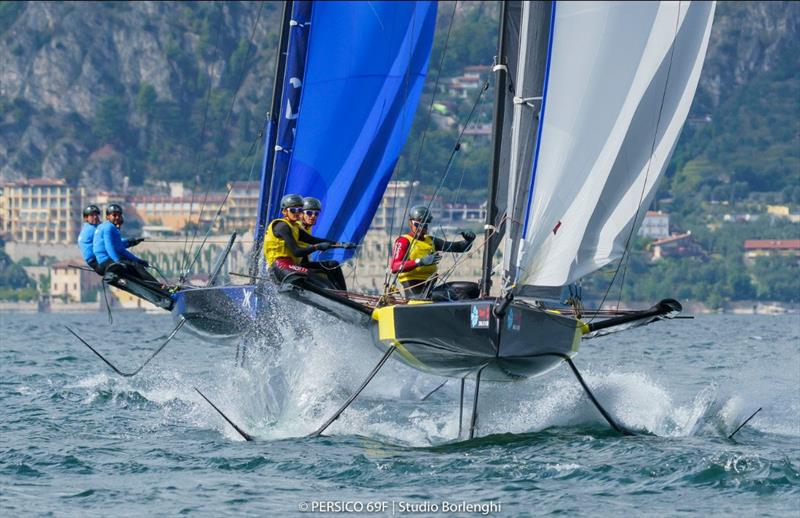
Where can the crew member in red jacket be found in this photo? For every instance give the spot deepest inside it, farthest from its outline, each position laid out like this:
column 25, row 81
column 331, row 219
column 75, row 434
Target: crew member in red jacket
column 415, row 255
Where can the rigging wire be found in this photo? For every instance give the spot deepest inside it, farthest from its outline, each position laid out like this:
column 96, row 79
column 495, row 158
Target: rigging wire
column 406, row 83
column 213, row 167
column 626, row 251
column 416, row 169
column 185, row 252
column 253, row 147
column 448, row 166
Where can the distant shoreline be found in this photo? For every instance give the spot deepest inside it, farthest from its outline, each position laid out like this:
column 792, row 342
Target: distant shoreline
column 74, row 307
column 689, row 308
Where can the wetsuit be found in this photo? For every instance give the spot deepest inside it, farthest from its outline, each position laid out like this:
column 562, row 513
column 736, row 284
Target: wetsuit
column 109, row 248
column 285, row 255
column 418, row 279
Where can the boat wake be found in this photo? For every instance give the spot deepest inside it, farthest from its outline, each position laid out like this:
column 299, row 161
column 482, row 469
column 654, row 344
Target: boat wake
column 287, row 390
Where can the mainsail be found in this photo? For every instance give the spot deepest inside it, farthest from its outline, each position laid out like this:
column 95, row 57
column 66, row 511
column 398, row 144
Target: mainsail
column 616, row 89
column 350, row 95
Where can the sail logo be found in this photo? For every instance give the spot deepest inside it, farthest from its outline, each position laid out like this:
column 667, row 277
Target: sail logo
column 246, row 300
column 513, row 320
column 479, row 317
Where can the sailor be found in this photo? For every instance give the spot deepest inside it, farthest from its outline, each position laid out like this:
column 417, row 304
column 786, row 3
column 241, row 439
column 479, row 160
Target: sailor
column 109, row 248
column 311, row 209
column 91, row 218
column 286, row 244
column 415, row 255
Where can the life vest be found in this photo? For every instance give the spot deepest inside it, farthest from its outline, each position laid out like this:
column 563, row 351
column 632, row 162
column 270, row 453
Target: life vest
column 417, row 249
column 275, row 247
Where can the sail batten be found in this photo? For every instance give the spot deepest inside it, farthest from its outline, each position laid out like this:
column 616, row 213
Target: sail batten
column 620, row 85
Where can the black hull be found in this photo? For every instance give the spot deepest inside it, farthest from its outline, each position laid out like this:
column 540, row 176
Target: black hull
column 455, row 339
column 218, row 313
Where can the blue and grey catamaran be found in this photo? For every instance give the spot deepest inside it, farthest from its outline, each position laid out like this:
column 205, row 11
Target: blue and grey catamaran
column 590, row 98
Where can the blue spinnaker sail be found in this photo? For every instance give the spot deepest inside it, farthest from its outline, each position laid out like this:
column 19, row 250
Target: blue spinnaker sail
column 293, row 79
column 364, row 71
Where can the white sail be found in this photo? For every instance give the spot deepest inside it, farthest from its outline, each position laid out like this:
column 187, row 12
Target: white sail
column 620, row 81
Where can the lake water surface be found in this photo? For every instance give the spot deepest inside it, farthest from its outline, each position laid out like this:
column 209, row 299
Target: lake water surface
column 79, row 440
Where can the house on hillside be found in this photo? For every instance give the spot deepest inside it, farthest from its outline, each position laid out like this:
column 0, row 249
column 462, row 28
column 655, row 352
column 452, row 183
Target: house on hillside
column 755, row 248
column 677, row 245
column 461, row 86
column 655, row 225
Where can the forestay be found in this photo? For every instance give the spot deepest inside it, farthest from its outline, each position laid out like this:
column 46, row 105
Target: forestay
column 619, row 81
column 364, row 69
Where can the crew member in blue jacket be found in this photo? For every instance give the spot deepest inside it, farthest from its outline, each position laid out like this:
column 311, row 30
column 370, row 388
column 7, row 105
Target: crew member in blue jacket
column 109, row 248
column 91, row 218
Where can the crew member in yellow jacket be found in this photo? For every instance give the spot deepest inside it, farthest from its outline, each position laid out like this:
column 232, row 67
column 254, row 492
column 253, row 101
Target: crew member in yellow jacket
column 286, row 244
column 416, row 255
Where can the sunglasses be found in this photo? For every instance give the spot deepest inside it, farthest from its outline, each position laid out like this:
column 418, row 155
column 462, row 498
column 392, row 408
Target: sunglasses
column 310, row 213
column 295, row 210
column 418, row 224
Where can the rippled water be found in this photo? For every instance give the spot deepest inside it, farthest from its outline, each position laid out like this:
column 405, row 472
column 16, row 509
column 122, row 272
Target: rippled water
column 79, row 440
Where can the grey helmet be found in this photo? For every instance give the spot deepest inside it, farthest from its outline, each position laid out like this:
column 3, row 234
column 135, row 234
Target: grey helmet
column 291, row 200
column 113, row 208
column 310, row 203
column 91, row 209
column 421, row 214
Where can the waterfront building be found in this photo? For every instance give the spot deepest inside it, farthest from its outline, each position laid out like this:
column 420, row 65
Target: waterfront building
column 73, row 284
column 176, row 212
column 393, row 205
column 41, row 211
column 241, row 210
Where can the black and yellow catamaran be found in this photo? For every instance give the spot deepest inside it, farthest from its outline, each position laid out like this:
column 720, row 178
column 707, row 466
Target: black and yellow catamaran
column 590, row 100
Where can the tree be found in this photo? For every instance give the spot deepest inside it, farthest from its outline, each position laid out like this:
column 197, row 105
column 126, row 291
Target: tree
column 110, row 123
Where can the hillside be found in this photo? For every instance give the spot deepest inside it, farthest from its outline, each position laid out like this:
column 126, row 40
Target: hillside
column 94, row 92
column 116, row 95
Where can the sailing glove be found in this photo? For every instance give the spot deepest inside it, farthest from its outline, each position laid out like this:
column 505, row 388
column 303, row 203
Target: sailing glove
column 429, row 260
column 134, row 242
column 468, row 236
column 322, row 246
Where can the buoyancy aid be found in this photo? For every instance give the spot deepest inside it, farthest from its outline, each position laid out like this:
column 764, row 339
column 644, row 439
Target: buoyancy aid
column 275, row 247
column 417, row 249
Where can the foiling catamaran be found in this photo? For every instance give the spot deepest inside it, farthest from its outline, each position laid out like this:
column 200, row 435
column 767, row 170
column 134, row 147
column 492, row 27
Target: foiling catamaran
column 590, row 98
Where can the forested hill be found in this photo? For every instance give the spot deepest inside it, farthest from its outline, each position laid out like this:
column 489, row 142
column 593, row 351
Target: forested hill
column 95, row 92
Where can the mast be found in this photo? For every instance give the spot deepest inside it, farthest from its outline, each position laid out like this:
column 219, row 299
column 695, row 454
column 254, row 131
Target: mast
column 498, row 117
column 270, row 138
